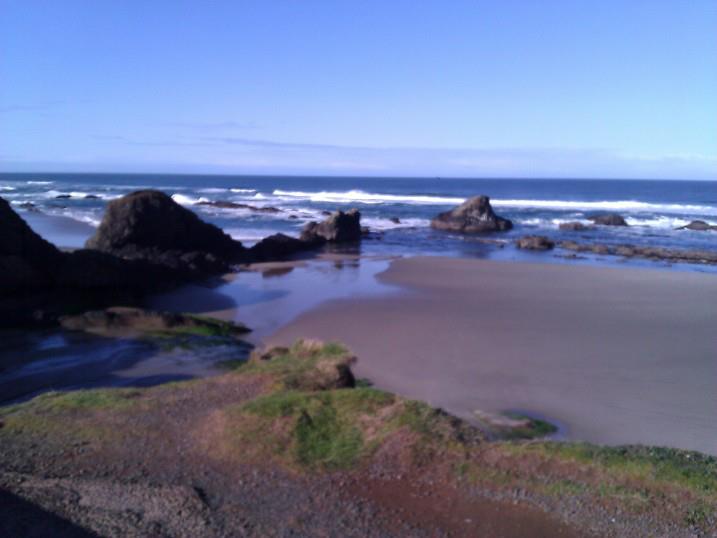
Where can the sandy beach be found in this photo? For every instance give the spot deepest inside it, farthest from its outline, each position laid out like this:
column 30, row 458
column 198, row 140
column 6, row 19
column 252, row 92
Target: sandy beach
column 614, row 355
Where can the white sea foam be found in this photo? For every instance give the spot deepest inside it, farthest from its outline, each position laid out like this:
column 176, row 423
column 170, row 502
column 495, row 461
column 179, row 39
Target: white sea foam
column 187, row 200
column 6, row 188
column 39, row 182
column 242, row 190
column 210, row 190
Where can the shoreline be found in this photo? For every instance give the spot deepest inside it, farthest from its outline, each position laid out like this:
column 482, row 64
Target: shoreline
column 614, row 375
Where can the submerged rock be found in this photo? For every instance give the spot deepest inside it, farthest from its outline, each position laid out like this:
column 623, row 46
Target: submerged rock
column 574, row 226
column 535, row 242
column 475, row 215
column 610, row 219
column 652, row 253
column 339, row 227
column 699, row 226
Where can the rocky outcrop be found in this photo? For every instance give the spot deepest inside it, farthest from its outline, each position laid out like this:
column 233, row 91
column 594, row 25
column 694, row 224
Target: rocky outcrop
column 339, row 227
column 149, row 225
column 637, row 251
column 535, row 242
column 123, row 320
column 475, row 215
column 699, row 226
column 610, row 219
column 26, row 259
column 152, row 220
column 574, row 226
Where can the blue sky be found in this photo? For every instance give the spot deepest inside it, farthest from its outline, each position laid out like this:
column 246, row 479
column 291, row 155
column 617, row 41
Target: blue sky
column 460, row 88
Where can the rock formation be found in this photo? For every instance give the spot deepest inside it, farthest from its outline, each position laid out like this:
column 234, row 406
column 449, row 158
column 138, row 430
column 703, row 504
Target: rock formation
column 699, row 226
column 339, row 227
column 475, row 215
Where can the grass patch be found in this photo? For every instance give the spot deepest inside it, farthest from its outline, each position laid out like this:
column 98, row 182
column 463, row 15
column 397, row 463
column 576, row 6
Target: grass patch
column 325, row 427
column 693, row 470
column 61, row 412
column 58, row 402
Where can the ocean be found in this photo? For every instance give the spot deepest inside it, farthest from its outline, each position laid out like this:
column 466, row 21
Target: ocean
column 399, row 209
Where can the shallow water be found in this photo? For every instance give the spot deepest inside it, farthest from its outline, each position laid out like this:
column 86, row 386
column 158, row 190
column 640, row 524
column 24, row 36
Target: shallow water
column 32, row 362
column 274, row 294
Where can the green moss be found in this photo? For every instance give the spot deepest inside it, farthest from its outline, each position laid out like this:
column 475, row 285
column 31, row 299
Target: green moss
column 324, row 425
column 534, row 429
column 419, row 417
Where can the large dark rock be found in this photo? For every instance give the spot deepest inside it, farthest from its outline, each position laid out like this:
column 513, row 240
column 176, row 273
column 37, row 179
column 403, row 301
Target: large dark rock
column 339, row 227
column 26, row 259
column 145, row 223
column 475, row 215
column 610, row 219
column 535, row 242
column 698, row 225
column 277, row 246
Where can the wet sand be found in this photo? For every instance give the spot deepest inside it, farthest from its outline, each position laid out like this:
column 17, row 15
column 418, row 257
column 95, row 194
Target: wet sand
column 616, row 355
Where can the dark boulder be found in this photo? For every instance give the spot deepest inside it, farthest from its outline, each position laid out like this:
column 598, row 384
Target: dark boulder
column 699, row 226
column 610, row 219
column 535, row 242
column 573, row 226
column 277, row 246
column 395, row 220
column 339, row 227
column 143, row 223
column 475, row 215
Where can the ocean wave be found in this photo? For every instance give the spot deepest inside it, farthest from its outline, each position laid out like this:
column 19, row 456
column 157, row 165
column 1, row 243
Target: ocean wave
column 660, row 221
column 357, row 196
column 39, row 182
column 212, row 190
column 242, row 190
column 6, row 188
column 618, row 205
